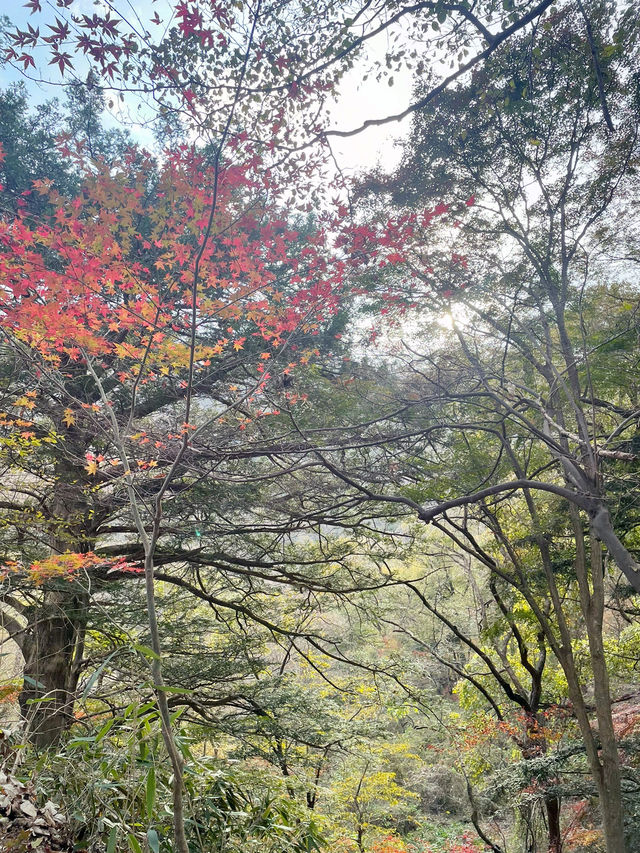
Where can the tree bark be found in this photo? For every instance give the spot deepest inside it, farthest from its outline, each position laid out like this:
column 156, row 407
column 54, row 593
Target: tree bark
column 552, row 808
column 55, row 630
column 611, row 787
column 48, row 647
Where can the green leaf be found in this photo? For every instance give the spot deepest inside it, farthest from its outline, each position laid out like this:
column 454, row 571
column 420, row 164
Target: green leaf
column 134, row 844
column 153, row 841
column 146, row 651
column 166, row 689
column 103, row 731
column 138, row 710
column 96, row 675
column 113, row 838
column 151, row 790
column 177, row 714
column 33, row 682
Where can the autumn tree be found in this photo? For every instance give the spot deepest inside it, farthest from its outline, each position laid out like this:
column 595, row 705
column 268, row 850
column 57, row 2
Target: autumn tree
column 123, row 303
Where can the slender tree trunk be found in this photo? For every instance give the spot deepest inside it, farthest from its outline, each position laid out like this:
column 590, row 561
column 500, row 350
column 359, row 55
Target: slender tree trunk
column 604, row 763
column 177, row 763
column 611, row 787
column 604, row 766
column 534, row 747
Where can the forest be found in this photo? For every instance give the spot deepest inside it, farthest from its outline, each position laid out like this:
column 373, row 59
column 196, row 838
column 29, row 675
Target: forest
column 320, row 485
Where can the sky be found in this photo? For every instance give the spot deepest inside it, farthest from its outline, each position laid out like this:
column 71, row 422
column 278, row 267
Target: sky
column 358, row 101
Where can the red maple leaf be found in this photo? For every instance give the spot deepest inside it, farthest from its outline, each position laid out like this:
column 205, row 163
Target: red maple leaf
column 26, row 60
column 62, row 60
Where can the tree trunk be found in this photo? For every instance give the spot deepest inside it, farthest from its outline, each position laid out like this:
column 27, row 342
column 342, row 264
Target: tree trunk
column 50, row 639
column 604, row 765
column 534, row 747
column 611, row 809
column 552, row 807
column 55, row 631
column 592, row 604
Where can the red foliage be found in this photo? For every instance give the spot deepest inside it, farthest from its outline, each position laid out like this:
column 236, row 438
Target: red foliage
column 67, row 566
column 389, row 844
column 87, row 285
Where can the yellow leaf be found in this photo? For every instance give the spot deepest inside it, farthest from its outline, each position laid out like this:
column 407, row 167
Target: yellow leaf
column 69, row 418
column 91, row 468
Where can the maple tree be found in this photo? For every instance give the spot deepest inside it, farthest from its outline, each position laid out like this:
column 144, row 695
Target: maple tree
column 133, row 298
column 157, row 291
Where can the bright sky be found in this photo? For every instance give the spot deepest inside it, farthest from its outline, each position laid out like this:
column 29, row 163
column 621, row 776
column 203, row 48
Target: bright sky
column 370, row 99
column 358, row 102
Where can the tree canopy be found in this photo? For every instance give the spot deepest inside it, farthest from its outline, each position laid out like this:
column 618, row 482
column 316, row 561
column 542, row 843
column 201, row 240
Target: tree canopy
column 319, row 496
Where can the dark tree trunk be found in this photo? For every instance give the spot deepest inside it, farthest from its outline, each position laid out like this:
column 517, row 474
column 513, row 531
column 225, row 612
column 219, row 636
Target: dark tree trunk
column 552, row 807
column 533, row 747
column 54, row 632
